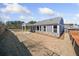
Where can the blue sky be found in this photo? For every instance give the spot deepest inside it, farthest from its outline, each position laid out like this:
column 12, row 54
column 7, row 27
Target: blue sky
column 39, row 11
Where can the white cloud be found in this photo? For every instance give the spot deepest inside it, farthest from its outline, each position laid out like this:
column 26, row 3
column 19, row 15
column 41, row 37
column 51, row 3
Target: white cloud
column 32, row 18
column 76, row 18
column 59, row 14
column 73, row 20
column 15, row 8
column 47, row 11
column 22, row 17
column 4, row 18
column 77, row 15
column 27, row 18
column 69, row 21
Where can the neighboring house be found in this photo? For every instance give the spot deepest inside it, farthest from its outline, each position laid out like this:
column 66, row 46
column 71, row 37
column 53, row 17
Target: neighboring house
column 54, row 26
column 71, row 27
column 68, row 26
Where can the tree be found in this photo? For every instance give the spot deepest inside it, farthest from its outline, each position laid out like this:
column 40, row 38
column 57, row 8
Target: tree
column 14, row 24
column 32, row 22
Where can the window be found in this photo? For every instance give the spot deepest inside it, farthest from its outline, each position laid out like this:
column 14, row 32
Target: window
column 40, row 28
column 44, row 28
column 55, row 28
column 37, row 27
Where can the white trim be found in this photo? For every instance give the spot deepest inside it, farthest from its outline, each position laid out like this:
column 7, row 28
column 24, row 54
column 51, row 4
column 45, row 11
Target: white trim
column 39, row 28
column 52, row 28
column 46, row 28
column 58, row 30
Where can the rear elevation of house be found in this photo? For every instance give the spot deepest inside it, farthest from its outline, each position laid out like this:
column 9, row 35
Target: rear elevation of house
column 55, row 26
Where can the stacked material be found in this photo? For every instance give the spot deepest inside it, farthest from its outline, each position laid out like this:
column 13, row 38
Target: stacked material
column 75, row 36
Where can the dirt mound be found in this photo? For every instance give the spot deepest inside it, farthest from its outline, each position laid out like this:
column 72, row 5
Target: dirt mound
column 10, row 45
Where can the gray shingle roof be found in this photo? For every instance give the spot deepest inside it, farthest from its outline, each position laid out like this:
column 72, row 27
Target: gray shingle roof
column 29, row 24
column 49, row 21
column 55, row 20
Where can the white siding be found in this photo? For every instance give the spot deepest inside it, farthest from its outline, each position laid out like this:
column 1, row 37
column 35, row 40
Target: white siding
column 49, row 28
column 56, row 33
column 42, row 28
column 52, row 29
column 58, row 30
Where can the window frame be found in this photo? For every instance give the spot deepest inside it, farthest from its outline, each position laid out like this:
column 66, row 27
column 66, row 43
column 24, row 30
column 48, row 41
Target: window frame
column 37, row 28
column 55, row 28
column 44, row 28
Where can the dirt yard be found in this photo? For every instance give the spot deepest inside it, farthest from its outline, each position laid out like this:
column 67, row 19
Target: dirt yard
column 42, row 45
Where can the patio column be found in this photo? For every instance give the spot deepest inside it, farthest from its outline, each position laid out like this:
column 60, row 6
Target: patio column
column 25, row 28
column 36, row 28
column 39, row 28
column 22, row 28
column 52, row 29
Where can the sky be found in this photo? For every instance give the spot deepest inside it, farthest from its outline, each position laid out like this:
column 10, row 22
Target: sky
column 39, row 11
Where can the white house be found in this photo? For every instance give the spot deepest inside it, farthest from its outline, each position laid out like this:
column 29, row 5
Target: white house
column 54, row 26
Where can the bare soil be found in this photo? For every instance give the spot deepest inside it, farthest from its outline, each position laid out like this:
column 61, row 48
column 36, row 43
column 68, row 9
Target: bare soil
column 43, row 45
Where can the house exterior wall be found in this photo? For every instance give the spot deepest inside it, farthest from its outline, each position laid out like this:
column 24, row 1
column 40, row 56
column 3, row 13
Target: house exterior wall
column 61, row 26
column 55, row 33
column 58, row 31
column 61, row 29
column 50, row 29
column 36, row 29
column 42, row 28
